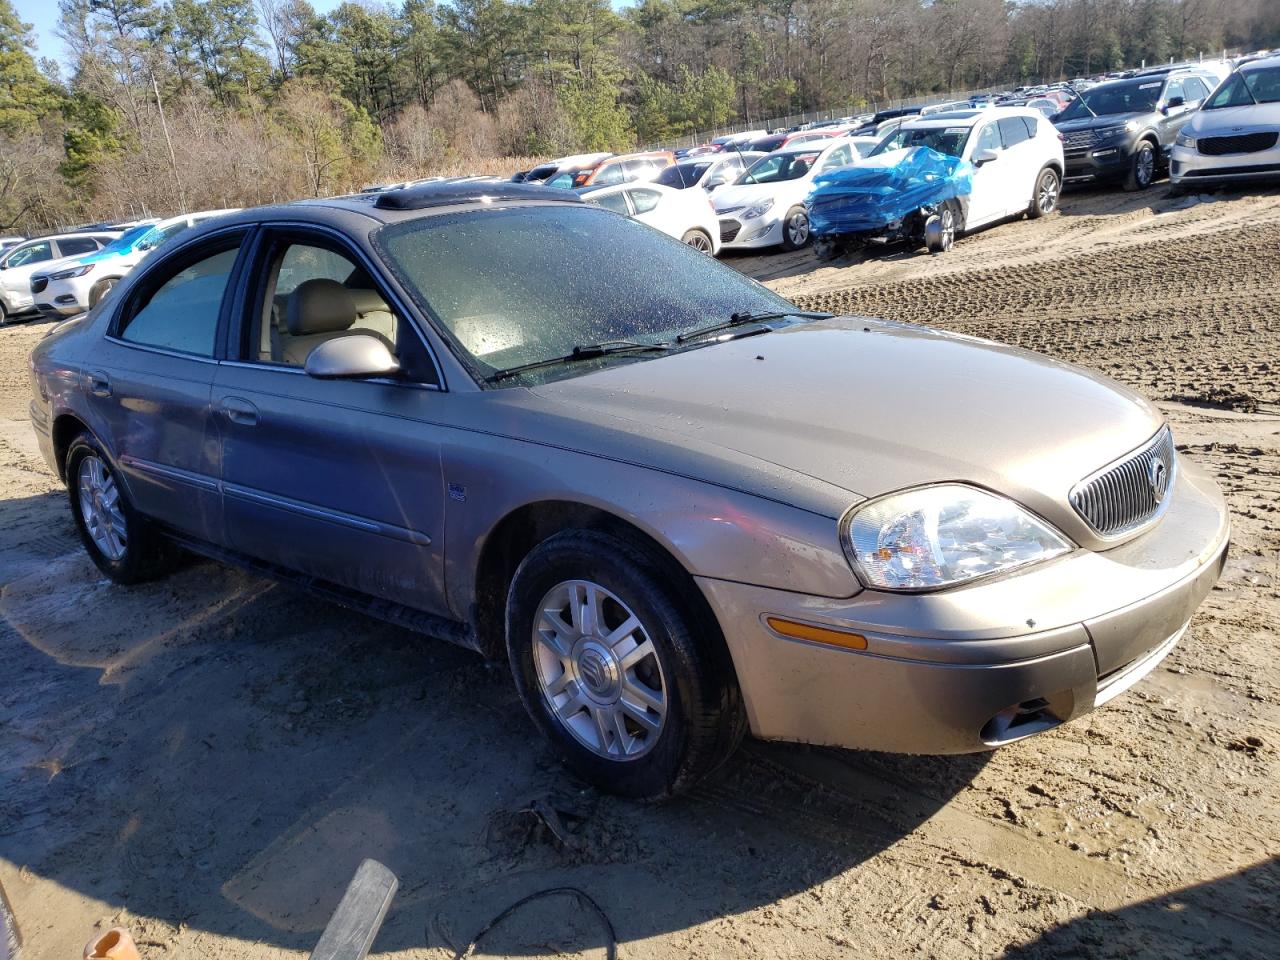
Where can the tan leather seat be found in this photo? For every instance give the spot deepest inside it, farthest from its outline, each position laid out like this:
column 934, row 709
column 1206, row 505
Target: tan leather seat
column 317, row 311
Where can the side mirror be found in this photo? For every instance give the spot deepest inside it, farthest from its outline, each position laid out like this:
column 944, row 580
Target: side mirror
column 353, row 357
column 984, row 156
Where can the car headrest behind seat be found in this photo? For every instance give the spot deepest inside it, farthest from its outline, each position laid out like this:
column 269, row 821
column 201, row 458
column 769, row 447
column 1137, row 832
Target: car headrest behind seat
column 319, row 306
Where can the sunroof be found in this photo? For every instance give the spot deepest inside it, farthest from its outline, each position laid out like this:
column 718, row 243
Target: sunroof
column 444, row 194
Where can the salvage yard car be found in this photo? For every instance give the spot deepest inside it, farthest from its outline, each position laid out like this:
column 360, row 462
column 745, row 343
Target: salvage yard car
column 1124, row 129
column 1236, row 134
column 938, row 176
column 456, row 407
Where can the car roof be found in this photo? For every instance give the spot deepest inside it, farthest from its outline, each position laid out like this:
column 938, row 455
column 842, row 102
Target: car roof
column 1262, row 63
column 965, row 118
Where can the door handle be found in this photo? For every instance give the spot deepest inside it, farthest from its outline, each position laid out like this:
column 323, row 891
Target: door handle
column 99, row 384
column 239, row 411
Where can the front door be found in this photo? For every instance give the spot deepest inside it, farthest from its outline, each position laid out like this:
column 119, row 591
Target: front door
column 151, row 378
column 987, row 201
column 336, row 479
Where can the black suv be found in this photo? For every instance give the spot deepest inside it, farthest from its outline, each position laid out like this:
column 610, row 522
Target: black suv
column 1124, row 129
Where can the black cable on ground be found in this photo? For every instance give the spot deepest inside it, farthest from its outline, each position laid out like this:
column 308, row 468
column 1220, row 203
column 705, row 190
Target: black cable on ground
column 611, row 948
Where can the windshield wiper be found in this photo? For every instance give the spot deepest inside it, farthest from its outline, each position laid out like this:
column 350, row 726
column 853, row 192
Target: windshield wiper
column 745, row 317
column 588, row 351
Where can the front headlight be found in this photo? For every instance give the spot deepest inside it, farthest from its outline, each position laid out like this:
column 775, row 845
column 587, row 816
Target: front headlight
column 757, row 210
column 74, row 272
column 1106, row 133
column 1183, row 140
column 938, row 536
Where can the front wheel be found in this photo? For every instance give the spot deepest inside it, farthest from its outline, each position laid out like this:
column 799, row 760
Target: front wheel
column 1142, row 169
column 100, row 290
column 116, row 537
column 1044, row 199
column 940, row 230
column 699, row 240
column 795, row 229
column 618, row 667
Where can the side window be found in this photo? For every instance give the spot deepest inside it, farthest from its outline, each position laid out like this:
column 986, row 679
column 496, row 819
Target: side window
column 1030, row 123
column 74, row 246
column 1012, row 131
column 639, row 169
column 1195, row 89
column 609, row 176
column 1174, row 89
column 988, row 138
column 839, row 157
column 182, row 312
column 316, row 294
column 645, row 200
column 613, row 201
column 26, row 256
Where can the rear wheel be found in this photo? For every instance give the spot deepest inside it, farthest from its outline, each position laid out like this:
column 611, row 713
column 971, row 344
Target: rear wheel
column 699, row 240
column 1142, row 169
column 118, row 539
column 1044, row 199
column 795, row 229
column 618, row 668
column 99, row 290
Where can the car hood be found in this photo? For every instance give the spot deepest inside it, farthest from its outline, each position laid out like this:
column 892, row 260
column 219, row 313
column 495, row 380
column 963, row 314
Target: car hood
column 737, row 196
column 44, row 268
column 866, row 407
column 1095, row 123
column 1250, row 118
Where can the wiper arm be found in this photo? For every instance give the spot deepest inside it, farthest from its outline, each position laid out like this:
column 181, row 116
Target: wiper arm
column 589, row 351
column 745, row 317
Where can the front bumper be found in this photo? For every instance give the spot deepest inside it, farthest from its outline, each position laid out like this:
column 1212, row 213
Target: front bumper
column 1104, row 160
column 972, row 668
column 1189, row 166
column 752, row 234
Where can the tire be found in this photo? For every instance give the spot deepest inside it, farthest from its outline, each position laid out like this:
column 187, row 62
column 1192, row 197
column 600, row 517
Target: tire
column 644, row 714
column 100, row 290
column 126, row 548
column 1045, row 194
column 4, row 314
column 1142, row 168
column 825, row 249
column 699, row 240
column 795, row 229
column 940, row 236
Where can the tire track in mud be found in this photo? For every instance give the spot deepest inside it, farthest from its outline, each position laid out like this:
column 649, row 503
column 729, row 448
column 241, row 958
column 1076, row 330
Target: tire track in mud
column 1192, row 318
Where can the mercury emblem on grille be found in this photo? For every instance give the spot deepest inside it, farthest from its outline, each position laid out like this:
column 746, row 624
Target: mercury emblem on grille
column 1158, row 474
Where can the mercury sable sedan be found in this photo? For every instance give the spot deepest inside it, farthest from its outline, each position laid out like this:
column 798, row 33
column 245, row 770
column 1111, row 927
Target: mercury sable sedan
column 678, row 505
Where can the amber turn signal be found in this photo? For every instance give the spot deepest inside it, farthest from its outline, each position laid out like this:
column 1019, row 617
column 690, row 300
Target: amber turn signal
column 815, row 634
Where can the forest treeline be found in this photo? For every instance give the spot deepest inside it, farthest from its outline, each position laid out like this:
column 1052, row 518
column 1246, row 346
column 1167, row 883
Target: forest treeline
column 156, row 106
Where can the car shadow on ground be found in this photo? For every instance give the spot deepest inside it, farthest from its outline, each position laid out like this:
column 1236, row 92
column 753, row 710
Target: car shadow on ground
column 217, row 751
column 1232, row 917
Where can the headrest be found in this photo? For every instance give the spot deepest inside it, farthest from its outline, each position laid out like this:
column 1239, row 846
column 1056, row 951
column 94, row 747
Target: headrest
column 319, row 306
column 366, row 300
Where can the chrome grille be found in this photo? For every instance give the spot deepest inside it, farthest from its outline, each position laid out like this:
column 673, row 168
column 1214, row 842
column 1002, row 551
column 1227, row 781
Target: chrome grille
column 1125, row 495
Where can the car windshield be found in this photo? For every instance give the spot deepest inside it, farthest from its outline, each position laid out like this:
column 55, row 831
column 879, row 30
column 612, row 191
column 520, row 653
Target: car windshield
column 778, row 167
column 518, row 285
column 948, row 140
column 1132, row 96
column 1242, row 89
column 682, row 175
column 125, row 241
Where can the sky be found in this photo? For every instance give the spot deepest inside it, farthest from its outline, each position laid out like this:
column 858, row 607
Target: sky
column 43, row 15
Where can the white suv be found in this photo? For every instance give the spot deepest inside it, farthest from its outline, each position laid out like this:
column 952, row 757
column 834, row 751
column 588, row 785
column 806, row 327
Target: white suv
column 20, row 261
column 70, row 288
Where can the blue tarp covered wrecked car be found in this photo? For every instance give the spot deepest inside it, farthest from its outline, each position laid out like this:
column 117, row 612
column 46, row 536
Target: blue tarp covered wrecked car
column 883, row 189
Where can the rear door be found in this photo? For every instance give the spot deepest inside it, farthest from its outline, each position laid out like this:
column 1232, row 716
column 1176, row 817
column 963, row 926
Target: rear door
column 336, row 479
column 149, row 382
column 1022, row 163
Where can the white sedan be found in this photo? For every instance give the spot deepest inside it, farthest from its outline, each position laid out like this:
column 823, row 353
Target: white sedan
column 1235, row 135
column 686, row 215
column 765, row 206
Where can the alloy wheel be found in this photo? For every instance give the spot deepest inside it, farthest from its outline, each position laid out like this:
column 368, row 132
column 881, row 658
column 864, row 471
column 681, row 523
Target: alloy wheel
column 948, row 237
column 100, row 508
column 1047, row 195
column 1146, row 166
column 699, row 241
column 599, row 671
column 798, row 229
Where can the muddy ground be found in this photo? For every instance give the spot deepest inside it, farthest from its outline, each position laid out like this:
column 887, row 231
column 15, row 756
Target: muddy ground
column 206, row 759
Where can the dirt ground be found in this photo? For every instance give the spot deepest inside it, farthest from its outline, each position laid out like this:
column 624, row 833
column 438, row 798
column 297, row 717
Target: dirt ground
column 206, row 759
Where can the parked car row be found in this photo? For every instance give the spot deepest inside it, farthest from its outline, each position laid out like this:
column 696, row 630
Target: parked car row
column 64, row 275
